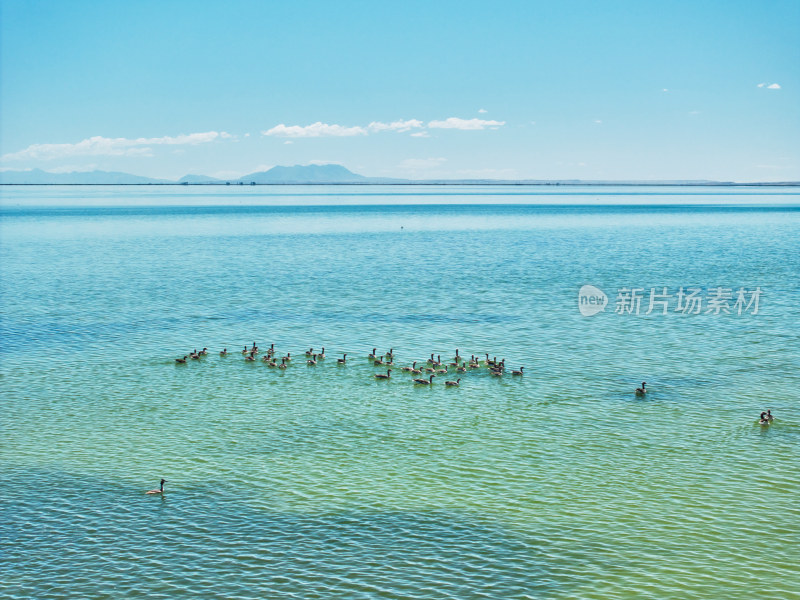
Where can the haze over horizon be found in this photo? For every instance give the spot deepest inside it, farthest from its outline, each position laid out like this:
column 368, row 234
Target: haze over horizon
column 515, row 90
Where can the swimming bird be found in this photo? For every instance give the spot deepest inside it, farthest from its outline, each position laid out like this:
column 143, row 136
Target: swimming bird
column 415, row 371
column 313, row 360
column 251, row 356
column 763, row 420
column 641, row 391
column 378, row 361
column 309, row 352
column 283, row 364
column 442, row 371
column 462, row 368
column 321, row 355
column 521, row 369
column 411, row 368
column 224, row 352
column 288, row 356
column 181, row 361
column 373, row 354
column 382, row 376
column 342, row 360
column 425, row 381
column 245, row 350
column 158, row 491
column 769, row 416
column 203, row 352
column 453, row 383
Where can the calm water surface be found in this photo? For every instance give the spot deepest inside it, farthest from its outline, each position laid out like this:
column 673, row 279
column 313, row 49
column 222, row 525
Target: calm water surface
column 323, row 482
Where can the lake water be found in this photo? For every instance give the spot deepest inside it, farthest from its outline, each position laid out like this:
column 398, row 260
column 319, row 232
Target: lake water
column 323, row 482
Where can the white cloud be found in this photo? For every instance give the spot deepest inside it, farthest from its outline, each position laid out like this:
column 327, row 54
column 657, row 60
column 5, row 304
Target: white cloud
column 422, row 134
column 773, row 86
column 103, row 146
column 665, row 90
column 761, row 85
column 483, row 111
column 191, row 139
column 598, row 121
column 320, row 129
column 400, row 126
column 317, row 129
column 288, row 142
column 421, row 163
column 465, row 124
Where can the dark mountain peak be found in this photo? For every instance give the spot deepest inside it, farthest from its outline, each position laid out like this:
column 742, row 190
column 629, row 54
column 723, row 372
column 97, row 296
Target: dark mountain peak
column 326, row 173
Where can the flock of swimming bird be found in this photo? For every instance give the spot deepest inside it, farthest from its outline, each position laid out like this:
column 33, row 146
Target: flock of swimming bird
column 433, row 366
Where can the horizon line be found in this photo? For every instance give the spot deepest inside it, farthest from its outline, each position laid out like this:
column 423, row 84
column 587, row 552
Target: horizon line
column 442, row 182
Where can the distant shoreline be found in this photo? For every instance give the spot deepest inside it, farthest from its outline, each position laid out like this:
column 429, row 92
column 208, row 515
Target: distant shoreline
column 423, row 183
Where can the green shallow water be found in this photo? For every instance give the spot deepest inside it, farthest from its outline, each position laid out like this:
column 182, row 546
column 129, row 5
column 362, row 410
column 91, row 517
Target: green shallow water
column 322, row 482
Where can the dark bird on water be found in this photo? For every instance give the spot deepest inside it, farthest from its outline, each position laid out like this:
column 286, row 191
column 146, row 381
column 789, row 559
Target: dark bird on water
column 160, row 490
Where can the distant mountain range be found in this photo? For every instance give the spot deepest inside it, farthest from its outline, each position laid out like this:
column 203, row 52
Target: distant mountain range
column 298, row 174
column 39, row 177
column 301, row 175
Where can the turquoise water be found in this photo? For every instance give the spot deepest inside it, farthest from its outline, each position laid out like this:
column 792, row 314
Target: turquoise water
column 323, row 482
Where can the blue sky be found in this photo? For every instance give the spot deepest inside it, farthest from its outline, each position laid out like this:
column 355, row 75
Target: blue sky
column 544, row 90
